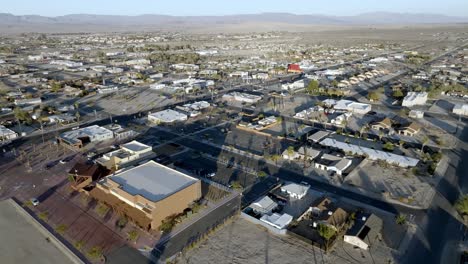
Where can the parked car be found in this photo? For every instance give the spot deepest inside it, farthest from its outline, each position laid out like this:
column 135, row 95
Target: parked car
column 35, row 201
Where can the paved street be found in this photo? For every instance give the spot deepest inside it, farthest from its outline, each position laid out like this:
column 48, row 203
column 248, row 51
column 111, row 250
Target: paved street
column 439, row 228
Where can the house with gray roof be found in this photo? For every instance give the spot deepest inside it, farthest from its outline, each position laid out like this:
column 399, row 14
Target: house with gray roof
column 366, row 229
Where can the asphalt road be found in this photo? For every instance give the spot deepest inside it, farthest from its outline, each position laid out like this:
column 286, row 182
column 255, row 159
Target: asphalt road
column 439, row 227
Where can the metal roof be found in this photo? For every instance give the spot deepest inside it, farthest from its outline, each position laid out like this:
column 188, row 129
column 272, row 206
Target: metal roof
column 371, row 153
column 152, row 181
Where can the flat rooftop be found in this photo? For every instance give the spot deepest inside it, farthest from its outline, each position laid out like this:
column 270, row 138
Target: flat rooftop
column 152, row 181
column 24, row 241
column 135, row 146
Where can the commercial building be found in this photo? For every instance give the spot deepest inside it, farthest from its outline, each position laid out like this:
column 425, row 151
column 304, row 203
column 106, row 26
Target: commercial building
column 128, row 154
column 193, row 109
column 297, row 85
column 82, row 136
column 242, row 97
column 167, row 116
column 366, row 229
column 148, row 193
column 414, row 98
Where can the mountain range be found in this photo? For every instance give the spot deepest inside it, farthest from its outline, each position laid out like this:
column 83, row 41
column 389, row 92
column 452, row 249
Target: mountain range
column 166, row 21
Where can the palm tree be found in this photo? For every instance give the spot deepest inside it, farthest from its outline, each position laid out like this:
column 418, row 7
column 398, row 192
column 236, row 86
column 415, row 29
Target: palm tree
column 424, row 141
column 400, row 219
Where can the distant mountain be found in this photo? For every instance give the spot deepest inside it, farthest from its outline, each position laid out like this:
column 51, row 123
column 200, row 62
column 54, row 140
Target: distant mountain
column 164, row 21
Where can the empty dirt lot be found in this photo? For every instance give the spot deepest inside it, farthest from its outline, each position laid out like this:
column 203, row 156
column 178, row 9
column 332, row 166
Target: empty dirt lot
column 246, row 243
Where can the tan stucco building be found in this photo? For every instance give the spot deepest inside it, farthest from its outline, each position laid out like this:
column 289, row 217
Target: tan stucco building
column 149, row 193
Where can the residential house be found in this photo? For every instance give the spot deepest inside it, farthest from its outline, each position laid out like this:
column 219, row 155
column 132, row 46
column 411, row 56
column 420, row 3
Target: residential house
column 414, row 98
column 294, row 190
column 328, row 213
column 410, row 129
column 276, row 220
column 264, row 205
column 7, row 134
column 366, row 228
column 382, row 125
column 329, row 162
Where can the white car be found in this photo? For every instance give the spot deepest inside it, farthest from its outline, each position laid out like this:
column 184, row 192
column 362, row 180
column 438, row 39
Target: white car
column 35, row 201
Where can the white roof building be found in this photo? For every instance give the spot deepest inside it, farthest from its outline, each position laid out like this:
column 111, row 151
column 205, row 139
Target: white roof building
column 167, row 116
column 460, row 109
column 414, row 98
column 333, row 163
column 371, row 154
column 416, row 114
column 128, row 153
column 277, row 220
column 7, row 134
column 295, row 190
column 241, row 97
column 354, row 107
column 264, row 205
column 92, row 133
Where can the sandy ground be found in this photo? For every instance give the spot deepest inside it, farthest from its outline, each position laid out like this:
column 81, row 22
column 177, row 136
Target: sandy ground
column 398, row 184
column 246, row 243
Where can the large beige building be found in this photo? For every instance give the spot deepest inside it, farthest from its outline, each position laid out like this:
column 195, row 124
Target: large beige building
column 148, row 193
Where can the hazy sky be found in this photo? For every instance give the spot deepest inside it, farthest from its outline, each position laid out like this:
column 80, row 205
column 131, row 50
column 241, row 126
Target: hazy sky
column 225, row 7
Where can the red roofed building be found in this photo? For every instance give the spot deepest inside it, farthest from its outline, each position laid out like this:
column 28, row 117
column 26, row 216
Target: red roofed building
column 294, row 68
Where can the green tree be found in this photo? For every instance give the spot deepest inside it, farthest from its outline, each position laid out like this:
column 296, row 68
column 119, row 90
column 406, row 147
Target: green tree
column 236, row 185
column 398, row 94
column 373, row 96
column 424, row 141
column 95, row 252
column 313, row 87
column 388, row 146
column 55, row 87
column 290, row 151
column 61, row 229
column 262, row 174
column 132, row 235
column 275, row 158
column 327, row 232
column 400, row 219
column 462, row 205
